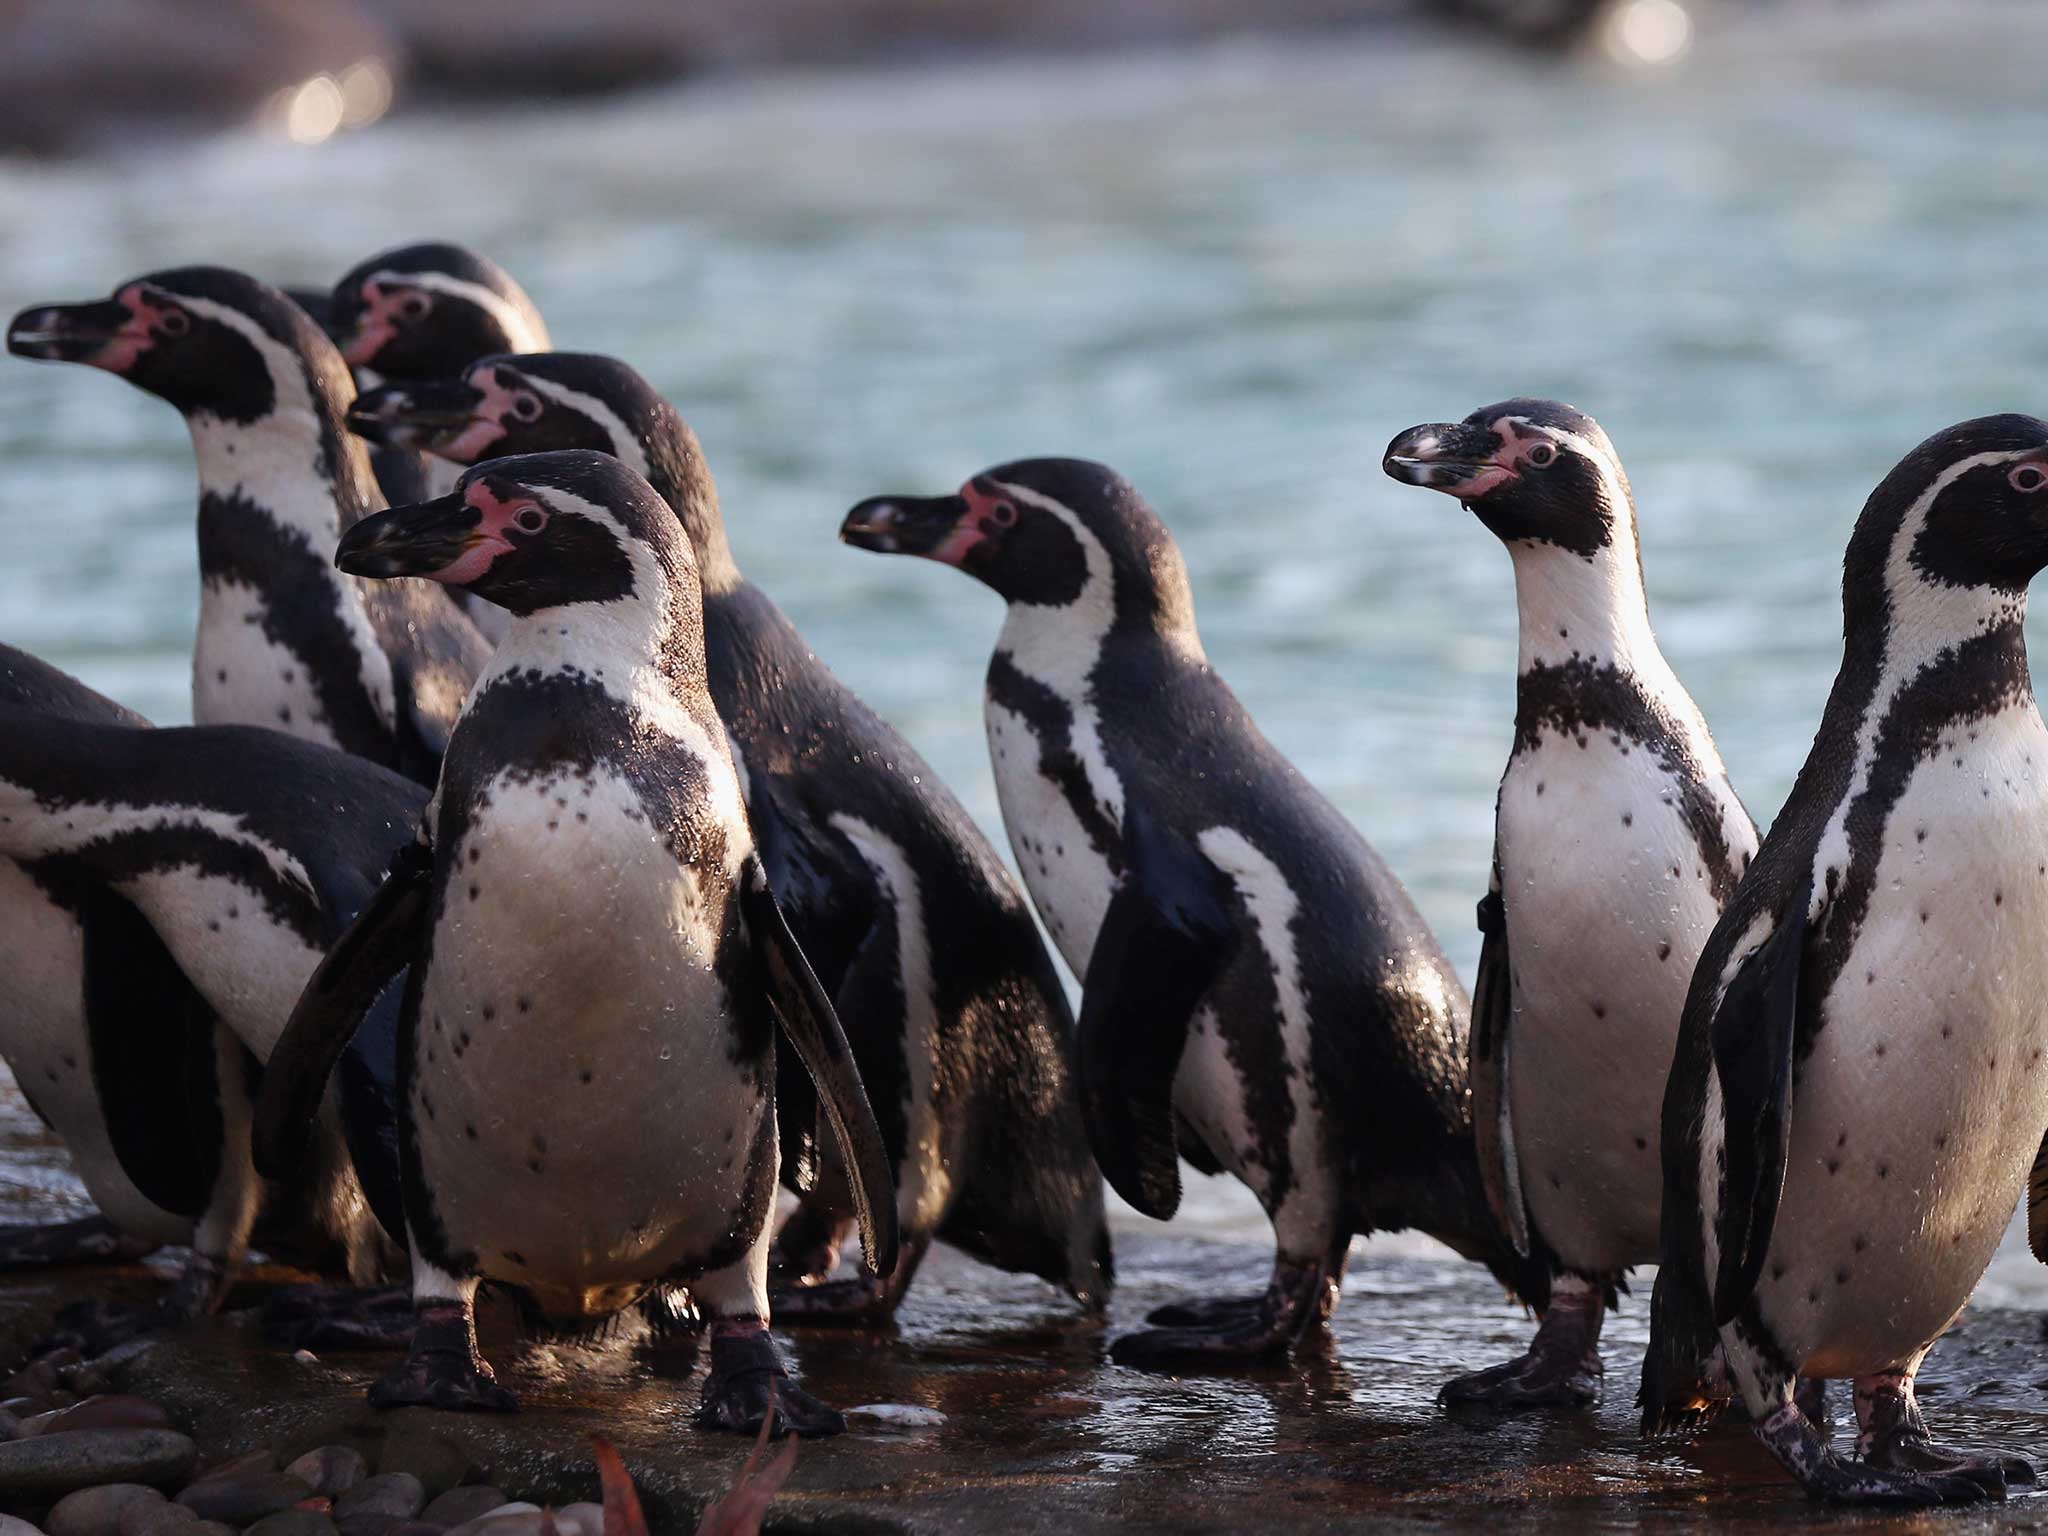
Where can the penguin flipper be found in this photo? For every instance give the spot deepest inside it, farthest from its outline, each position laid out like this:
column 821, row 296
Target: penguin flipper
column 1167, row 935
column 341, row 992
column 812, row 1028
column 1493, row 1131
column 153, row 1063
column 2037, row 1205
column 1753, row 1032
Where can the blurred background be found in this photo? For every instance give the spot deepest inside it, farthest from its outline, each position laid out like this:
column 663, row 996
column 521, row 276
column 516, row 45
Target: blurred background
column 1230, row 248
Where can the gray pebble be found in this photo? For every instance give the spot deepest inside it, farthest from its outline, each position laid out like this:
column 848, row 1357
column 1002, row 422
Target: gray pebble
column 377, row 1503
column 505, row 1520
column 245, row 1499
column 98, row 1511
column 84, row 1458
column 332, row 1469
column 235, row 1466
column 11, row 1525
column 165, row 1519
column 294, row 1522
column 460, row 1504
column 581, row 1519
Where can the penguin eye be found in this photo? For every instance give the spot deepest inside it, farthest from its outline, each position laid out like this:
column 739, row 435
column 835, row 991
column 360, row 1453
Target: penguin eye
column 526, row 406
column 2028, row 478
column 174, row 322
column 1004, row 515
column 529, row 519
column 1541, row 455
column 414, row 305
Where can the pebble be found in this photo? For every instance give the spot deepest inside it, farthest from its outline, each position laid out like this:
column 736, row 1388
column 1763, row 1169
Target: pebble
column 332, row 1469
column 412, row 1445
column 206, row 1528
column 11, row 1525
column 165, row 1519
column 581, row 1519
column 83, row 1458
column 377, row 1503
column 243, row 1499
column 106, row 1412
column 99, row 1511
column 460, row 1504
column 294, row 1522
column 248, row 1461
column 506, row 1520
column 900, row 1415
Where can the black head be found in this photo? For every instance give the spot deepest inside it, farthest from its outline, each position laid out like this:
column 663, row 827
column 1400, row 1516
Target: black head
column 541, row 531
column 429, row 311
column 1967, row 508
column 211, row 341
column 1535, row 470
column 1042, row 532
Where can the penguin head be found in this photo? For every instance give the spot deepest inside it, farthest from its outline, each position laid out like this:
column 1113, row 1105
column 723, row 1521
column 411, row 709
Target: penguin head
column 513, row 403
column 429, row 311
column 1967, row 508
column 1041, row 532
column 211, row 341
column 539, row 531
column 1531, row 470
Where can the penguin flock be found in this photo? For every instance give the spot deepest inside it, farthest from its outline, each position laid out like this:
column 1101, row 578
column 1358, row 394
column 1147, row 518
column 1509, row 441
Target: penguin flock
column 529, row 908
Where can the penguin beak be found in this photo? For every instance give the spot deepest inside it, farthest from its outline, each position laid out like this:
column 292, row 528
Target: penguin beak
column 426, row 416
column 438, row 539
column 1453, row 457
column 68, row 333
column 908, row 525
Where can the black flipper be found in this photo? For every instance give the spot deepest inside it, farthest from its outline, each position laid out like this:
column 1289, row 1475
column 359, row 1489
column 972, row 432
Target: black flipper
column 1168, row 933
column 153, row 1064
column 1493, row 1009
column 812, row 1028
column 344, row 989
column 1753, row 1033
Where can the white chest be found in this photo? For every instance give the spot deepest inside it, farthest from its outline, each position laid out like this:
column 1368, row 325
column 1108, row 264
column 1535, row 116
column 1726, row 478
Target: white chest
column 1925, row 1097
column 241, row 676
column 1069, row 880
column 576, row 1097
column 1609, row 901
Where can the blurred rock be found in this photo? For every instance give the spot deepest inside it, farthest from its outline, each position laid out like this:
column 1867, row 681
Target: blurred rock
column 332, row 1469
column 74, row 75
column 81, row 1458
column 294, row 1522
column 460, row 1504
column 244, row 1498
column 108, row 1411
column 98, row 1511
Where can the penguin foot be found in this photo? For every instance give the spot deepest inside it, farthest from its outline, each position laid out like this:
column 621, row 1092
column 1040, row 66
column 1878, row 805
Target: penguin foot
column 1892, row 1436
column 338, row 1317
column 1297, row 1296
column 1919, row 1454
column 1799, row 1448
column 846, row 1302
column 1536, row 1380
column 443, row 1369
column 88, row 1240
column 93, row 1327
column 748, row 1385
column 1216, row 1312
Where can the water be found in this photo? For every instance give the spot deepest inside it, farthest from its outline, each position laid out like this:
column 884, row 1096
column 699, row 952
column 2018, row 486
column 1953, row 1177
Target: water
column 1234, row 273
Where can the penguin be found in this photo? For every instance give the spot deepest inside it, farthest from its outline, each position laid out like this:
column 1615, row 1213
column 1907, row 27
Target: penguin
column 590, row 1111
column 284, row 641
column 43, row 1035
column 939, row 975
column 1859, row 1085
column 428, row 311
column 1614, row 804
column 207, row 868
column 1259, row 993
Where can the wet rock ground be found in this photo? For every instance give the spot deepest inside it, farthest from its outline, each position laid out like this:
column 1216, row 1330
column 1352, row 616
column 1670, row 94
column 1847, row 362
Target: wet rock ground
column 1040, row 1434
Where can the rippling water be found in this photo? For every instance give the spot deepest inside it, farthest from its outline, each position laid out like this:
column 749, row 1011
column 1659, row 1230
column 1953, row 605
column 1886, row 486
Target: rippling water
column 1234, row 273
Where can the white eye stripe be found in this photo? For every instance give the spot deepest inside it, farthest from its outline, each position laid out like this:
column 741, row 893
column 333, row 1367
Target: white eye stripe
column 521, row 332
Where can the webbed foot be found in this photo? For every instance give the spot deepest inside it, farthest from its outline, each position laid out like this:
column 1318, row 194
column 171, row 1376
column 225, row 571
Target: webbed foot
column 1800, row 1450
column 88, row 1240
column 1562, row 1368
column 339, row 1317
column 1297, row 1296
column 748, row 1383
column 443, row 1369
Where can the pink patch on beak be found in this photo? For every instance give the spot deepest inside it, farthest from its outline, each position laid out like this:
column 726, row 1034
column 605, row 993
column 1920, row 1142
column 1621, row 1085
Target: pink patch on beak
column 1489, row 477
column 487, row 422
column 119, row 353
column 977, row 527
column 375, row 326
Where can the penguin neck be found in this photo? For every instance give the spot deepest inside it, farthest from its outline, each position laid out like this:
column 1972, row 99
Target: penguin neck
column 1580, row 608
column 673, row 464
column 646, row 648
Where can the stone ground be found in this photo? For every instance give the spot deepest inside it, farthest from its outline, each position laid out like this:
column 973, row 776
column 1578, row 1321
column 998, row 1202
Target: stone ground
column 1041, row 1435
